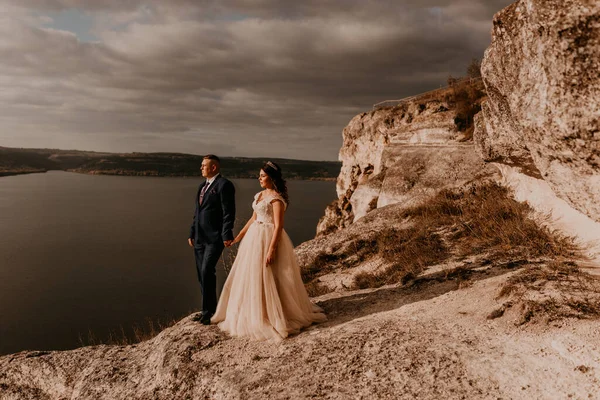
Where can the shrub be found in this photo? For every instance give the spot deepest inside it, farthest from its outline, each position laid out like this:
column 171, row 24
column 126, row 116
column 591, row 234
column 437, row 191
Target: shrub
column 474, row 68
column 467, row 97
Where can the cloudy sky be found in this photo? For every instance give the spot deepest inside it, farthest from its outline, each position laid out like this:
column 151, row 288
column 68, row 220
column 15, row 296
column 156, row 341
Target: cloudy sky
column 276, row 78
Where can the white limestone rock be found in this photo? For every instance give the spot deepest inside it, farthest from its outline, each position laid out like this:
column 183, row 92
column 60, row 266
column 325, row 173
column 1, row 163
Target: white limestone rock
column 542, row 115
column 404, row 155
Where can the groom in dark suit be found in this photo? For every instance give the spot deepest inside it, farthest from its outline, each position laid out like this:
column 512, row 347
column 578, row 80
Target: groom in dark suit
column 211, row 231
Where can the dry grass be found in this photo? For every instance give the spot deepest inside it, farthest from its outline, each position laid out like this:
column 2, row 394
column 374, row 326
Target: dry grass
column 138, row 333
column 485, row 218
column 437, row 95
column 556, row 290
column 409, row 250
column 356, row 251
column 315, row 288
column 324, row 262
column 457, row 224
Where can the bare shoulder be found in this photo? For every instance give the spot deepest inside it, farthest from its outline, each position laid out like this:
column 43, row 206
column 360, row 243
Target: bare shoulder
column 275, row 197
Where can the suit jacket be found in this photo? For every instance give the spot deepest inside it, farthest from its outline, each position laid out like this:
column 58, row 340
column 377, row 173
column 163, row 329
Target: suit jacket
column 214, row 219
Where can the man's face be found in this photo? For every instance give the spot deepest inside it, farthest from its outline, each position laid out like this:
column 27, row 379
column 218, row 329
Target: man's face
column 208, row 169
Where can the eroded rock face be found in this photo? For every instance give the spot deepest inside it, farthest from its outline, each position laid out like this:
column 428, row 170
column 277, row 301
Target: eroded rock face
column 399, row 155
column 543, row 110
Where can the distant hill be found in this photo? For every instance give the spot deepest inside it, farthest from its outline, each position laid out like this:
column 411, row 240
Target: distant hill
column 17, row 161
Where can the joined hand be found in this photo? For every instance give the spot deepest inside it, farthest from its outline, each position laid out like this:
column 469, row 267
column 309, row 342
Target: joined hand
column 270, row 258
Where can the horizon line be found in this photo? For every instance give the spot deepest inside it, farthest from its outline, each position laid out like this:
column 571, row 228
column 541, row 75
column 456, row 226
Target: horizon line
column 164, row 152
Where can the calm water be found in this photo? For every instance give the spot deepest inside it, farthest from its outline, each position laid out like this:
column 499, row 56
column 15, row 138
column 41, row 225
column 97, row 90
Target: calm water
column 82, row 253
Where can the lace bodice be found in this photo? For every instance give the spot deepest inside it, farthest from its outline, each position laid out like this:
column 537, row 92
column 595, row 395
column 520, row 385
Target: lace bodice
column 264, row 208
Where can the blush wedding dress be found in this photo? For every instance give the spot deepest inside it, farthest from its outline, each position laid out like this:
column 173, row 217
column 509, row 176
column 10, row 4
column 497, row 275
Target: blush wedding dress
column 259, row 301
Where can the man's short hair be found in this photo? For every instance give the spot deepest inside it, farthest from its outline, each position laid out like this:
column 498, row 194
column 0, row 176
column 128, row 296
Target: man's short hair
column 213, row 158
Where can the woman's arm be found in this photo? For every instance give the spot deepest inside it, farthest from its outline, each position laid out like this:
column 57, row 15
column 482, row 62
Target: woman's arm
column 278, row 211
column 242, row 233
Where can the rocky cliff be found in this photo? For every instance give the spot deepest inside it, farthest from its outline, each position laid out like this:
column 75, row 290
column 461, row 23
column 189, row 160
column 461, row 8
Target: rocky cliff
column 402, row 154
column 543, row 85
column 541, row 122
column 539, row 126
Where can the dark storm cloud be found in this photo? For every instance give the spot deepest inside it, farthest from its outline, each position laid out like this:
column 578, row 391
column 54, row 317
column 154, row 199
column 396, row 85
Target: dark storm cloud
column 264, row 77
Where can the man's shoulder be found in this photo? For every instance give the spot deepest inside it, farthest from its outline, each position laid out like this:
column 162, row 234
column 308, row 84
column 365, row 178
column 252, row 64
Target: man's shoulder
column 222, row 182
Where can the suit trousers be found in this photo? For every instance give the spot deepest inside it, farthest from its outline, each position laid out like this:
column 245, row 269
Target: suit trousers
column 207, row 257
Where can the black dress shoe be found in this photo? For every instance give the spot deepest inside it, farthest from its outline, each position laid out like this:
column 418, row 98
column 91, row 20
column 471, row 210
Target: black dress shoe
column 197, row 317
column 204, row 319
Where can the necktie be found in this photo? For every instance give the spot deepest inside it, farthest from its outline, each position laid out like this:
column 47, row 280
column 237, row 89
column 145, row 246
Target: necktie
column 203, row 191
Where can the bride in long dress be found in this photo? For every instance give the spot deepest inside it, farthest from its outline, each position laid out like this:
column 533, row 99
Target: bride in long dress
column 264, row 297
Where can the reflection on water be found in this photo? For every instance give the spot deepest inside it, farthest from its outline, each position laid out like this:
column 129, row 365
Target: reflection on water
column 83, row 253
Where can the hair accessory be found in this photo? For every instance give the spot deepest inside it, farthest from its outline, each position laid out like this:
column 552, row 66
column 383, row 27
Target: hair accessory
column 270, row 164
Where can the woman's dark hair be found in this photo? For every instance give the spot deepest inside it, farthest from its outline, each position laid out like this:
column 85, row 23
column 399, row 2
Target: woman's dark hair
column 274, row 172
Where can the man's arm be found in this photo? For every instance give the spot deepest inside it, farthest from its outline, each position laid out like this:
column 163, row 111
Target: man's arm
column 228, row 206
column 192, row 232
column 193, row 227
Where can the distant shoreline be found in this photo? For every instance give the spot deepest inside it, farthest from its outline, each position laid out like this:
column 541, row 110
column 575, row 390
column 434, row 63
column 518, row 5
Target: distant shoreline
column 20, row 161
column 152, row 174
column 22, row 172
